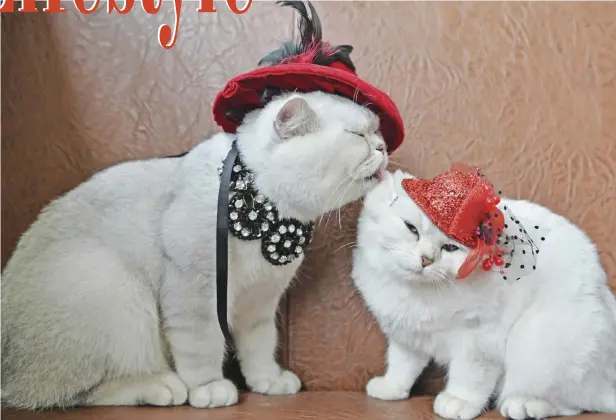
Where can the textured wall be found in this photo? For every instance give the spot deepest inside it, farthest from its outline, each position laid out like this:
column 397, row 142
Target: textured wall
column 525, row 90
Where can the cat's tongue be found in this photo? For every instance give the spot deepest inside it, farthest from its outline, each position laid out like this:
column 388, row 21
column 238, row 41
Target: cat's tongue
column 379, row 175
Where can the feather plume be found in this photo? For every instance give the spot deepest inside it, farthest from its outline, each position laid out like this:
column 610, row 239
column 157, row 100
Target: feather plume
column 310, row 48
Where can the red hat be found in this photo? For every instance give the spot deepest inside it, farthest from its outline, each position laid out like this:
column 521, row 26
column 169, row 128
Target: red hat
column 457, row 202
column 463, row 205
column 312, row 65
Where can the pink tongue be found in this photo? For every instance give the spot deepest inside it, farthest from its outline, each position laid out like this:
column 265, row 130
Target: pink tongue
column 379, row 175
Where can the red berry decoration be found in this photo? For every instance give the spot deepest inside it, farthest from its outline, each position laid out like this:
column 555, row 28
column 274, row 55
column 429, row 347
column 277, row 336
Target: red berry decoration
column 487, row 264
column 499, row 261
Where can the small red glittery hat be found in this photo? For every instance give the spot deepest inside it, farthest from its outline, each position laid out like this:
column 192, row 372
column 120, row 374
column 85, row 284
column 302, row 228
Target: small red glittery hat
column 308, row 66
column 456, row 201
column 462, row 204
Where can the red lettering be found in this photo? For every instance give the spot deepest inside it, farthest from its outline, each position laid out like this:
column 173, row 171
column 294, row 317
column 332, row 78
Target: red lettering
column 207, row 6
column 8, row 6
column 54, row 6
column 167, row 36
column 232, row 5
column 112, row 5
column 27, row 6
column 80, row 5
column 148, row 7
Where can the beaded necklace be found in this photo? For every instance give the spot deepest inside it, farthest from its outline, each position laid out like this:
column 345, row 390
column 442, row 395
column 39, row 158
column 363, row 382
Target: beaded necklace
column 253, row 217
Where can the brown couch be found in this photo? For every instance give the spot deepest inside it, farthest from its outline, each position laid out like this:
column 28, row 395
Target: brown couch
column 526, row 91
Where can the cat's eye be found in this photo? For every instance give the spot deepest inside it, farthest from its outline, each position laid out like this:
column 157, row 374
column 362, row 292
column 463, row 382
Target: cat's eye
column 355, row 133
column 412, row 228
column 449, row 248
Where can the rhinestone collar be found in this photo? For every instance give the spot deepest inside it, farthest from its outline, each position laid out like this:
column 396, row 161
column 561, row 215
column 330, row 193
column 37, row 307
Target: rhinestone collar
column 252, row 216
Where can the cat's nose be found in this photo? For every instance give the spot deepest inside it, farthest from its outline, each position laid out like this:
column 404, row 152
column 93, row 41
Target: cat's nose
column 425, row 261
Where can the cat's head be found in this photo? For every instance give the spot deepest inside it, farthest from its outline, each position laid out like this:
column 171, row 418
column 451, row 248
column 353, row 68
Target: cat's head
column 314, row 152
column 399, row 233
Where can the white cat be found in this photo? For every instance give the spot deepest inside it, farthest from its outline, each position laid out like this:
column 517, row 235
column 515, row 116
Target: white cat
column 109, row 297
column 543, row 346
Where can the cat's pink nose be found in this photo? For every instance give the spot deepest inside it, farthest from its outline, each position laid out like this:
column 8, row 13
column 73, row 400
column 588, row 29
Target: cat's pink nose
column 425, row 261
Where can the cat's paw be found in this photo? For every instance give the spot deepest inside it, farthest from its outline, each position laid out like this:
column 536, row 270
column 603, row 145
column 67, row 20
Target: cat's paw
column 284, row 383
column 162, row 389
column 176, row 393
column 215, row 394
column 451, row 407
column 520, row 408
column 383, row 389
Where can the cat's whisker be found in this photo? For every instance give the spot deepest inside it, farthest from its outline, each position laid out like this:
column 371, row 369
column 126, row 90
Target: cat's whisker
column 440, row 286
column 356, row 94
column 340, row 205
column 339, row 202
column 346, row 245
column 348, row 262
column 454, row 285
column 436, row 284
column 327, row 201
column 333, row 192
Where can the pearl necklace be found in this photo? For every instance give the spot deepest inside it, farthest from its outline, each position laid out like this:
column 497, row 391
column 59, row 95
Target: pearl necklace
column 252, row 216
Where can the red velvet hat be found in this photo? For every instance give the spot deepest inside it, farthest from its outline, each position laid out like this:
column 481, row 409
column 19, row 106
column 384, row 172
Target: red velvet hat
column 312, row 65
column 463, row 205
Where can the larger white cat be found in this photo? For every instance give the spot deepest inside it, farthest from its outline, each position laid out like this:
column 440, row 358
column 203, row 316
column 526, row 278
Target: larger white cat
column 544, row 346
column 109, row 297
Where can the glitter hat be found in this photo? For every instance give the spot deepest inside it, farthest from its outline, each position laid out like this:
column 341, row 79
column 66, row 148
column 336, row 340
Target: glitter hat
column 308, row 66
column 462, row 203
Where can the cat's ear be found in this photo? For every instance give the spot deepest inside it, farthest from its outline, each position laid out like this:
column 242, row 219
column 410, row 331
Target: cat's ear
column 295, row 118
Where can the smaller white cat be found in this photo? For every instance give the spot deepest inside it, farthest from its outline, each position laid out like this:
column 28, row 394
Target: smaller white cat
column 544, row 345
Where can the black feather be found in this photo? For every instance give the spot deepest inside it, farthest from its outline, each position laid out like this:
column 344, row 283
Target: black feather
column 310, row 36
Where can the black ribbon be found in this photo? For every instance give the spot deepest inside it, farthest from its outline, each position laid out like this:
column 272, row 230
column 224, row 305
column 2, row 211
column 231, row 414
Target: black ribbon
column 231, row 367
column 222, row 244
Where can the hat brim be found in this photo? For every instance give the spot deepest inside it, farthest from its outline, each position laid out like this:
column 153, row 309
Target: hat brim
column 243, row 93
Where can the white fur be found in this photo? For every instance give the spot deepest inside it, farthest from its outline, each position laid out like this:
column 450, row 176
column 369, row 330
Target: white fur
column 544, row 345
column 109, row 297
